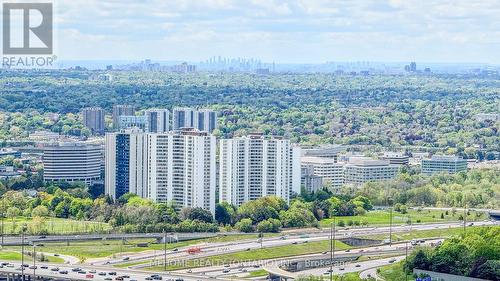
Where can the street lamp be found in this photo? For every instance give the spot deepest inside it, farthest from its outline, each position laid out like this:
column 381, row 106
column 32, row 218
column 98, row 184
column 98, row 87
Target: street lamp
column 332, row 246
column 164, row 250
column 34, row 261
column 390, row 201
column 23, row 230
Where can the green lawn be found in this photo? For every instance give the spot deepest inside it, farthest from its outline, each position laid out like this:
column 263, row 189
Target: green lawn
column 54, row 226
column 257, row 254
column 417, row 234
column 394, row 272
column 16, row 256
column 383, row 217
column 257, row 273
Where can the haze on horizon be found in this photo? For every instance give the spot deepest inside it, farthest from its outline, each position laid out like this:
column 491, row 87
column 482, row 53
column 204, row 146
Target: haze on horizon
column 295, row 31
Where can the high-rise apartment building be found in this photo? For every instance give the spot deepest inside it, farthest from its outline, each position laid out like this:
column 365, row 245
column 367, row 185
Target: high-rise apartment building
column 121, row 110
column 158, row 120
column 254, row 166
column 203, row 119
column 93, row 119
column 176, row 167
column 72, row 162
column 182, row 117
column 443, row 164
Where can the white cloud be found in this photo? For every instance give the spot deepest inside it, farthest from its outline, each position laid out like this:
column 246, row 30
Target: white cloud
column 296, row 30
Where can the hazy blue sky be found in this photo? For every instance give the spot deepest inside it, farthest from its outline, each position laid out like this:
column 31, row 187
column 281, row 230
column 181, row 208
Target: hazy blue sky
column 283, row 31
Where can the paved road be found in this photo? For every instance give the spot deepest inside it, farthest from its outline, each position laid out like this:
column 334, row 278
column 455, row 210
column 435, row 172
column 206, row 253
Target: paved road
column 14, row 268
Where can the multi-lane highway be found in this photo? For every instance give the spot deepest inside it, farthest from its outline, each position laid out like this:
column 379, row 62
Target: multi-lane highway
column 210, row 249
column 239, row 270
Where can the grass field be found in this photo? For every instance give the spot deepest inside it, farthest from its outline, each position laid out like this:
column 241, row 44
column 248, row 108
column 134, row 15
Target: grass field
column 54, row 226
column 415, row 216
column 16, row 256
column 257, row 254
column 394, row 272
column 433, row 233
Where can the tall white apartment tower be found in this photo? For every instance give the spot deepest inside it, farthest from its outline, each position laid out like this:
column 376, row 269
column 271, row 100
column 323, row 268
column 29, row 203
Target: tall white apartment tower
column 182, row 168
column 158, row 120
column 177, row 167
column 254, row 166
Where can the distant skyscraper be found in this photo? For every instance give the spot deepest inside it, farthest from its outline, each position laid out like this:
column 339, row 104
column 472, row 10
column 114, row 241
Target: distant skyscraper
column 176, row 167
column 93, row 119
column 158, row 120
column 413, row 66
column 254, row 166
column 120, row 110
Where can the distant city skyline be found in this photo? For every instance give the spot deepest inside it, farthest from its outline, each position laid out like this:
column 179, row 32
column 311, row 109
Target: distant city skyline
column 296, row 31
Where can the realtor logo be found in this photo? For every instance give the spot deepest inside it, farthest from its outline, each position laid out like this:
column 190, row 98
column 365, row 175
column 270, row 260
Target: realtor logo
column 35, row 35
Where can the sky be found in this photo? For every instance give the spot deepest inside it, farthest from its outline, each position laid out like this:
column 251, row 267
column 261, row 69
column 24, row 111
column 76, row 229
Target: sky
column 294, row 31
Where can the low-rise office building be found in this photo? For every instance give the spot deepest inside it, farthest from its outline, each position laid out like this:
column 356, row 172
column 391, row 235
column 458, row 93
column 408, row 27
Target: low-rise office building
column 360, row 170
column 443, row 164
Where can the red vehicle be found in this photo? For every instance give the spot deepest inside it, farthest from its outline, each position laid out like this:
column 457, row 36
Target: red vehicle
column 89, row 276
column 194, row 250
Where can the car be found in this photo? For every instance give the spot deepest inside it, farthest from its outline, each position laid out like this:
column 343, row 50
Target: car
column 126, row 258
column 226, row 270
column 42, row 237
column 324, row 253
column 190, row 271
column 63, row 272
column 179, row 279
column 19, row 268
column 92, row 271
column 392, row 260
column 294, row 243
column 109, row 279
column 101, row 273
column 347, row 251
column 247, row 249
column 89, row 276
column 358, row 265
column 76, row 269
column 112, row 273
column 55, row 269
column 56, row 255
column 119, row 278
column 33, row 267
column 82, row 272
column 125, row 276
column 147, row 278
column 175, row 250
column 44, row 267
column 4, row 263
column 25, row 265
column 157, row 277
column 256, row 266
column 471, row 224
column 226, row 265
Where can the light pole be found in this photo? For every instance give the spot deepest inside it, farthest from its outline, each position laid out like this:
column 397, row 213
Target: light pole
column 465, row 212
column 332, row 246
column 23, row 229
column 390, row 222
column 406, row 260
column 34, row 261
column 164, row 250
